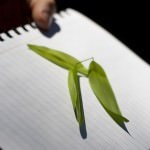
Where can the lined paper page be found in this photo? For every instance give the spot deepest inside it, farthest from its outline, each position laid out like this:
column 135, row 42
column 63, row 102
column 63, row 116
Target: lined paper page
column 35, row 106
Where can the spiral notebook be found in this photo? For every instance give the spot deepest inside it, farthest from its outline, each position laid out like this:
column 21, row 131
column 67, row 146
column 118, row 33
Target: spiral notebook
column 35, row 107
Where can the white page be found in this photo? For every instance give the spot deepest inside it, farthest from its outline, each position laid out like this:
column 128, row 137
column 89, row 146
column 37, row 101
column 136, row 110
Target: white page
column 35, row 106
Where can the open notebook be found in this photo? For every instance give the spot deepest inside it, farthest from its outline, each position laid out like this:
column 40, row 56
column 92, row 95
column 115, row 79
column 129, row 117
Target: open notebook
column 35, row 107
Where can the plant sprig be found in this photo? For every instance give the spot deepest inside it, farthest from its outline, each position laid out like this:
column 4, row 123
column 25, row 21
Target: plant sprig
column 97, row 79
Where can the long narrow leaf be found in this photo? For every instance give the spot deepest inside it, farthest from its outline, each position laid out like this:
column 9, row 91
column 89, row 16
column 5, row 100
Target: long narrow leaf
column 103, row 91
column 75, row 94
column 59, row 58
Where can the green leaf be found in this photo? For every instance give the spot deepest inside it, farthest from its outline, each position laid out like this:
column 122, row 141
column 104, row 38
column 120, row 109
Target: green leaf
column 59, row 58
column 103, row 91
column 75, row 94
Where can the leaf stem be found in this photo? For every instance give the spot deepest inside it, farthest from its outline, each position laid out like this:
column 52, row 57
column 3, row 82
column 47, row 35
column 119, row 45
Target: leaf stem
column 85, row 75
column 84, row 60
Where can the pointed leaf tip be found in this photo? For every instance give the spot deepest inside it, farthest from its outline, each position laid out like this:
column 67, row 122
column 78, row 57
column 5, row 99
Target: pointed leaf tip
column 104, row 93
column 59, row 58
column 75, row 94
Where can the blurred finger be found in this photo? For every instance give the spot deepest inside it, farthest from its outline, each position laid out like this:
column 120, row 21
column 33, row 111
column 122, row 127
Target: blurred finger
column 42, row 12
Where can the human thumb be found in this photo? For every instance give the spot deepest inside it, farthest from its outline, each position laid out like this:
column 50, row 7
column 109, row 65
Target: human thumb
column 42, row 12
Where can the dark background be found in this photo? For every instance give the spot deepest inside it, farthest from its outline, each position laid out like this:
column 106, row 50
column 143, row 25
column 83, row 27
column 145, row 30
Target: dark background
column 129, row 22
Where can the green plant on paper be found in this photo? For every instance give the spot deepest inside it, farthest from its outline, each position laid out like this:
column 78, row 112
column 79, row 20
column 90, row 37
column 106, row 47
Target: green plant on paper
column 97, row 78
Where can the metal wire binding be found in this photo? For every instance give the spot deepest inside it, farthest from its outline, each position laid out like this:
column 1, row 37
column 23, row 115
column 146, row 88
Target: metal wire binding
column 14, row 32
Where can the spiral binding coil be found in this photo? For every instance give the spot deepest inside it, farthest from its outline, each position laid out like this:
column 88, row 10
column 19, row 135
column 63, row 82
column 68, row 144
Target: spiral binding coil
column 17, row 31
column 26, row 28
